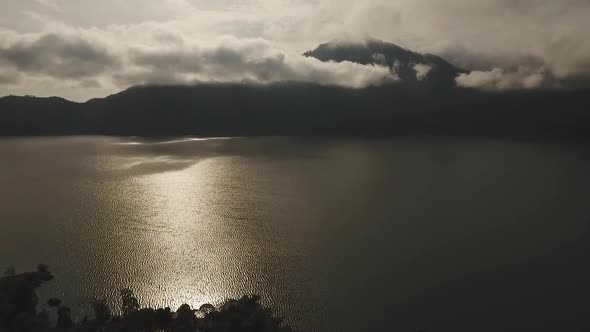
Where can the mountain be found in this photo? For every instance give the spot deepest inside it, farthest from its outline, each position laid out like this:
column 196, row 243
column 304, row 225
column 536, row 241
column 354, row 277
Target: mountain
column 305, row 110
column 427, row 104
column 411, row 67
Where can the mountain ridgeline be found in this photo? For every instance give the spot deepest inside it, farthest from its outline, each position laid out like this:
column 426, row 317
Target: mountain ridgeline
column 424, row 103
column 410, row 67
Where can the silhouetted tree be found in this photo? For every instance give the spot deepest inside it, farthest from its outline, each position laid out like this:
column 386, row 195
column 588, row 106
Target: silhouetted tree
column 207, row 308
column 185, row 317
column 163, row 319
column 129, row 302
column 64, row 318
column 102, row 313
column 18, row 313
column 140, row 320
column 54, row 302
column 43, row 318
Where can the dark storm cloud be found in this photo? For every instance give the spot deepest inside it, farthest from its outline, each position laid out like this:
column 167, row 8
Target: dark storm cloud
column 57, row 56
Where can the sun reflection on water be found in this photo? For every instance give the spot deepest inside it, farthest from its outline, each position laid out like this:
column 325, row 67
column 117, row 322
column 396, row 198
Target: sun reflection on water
column 188, row 233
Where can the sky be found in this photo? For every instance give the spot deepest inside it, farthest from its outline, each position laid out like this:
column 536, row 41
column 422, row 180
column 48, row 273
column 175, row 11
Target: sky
column 80, row 49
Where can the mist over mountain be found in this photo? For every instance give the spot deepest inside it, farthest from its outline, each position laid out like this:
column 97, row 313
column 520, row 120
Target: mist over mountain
column 408, row 66
column 423, row 99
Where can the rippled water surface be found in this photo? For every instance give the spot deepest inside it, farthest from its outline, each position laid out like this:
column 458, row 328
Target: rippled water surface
column 341, row 235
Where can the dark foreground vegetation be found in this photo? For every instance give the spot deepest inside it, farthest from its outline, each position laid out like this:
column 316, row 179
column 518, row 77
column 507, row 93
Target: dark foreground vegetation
column 305, row 110
column 19, row 312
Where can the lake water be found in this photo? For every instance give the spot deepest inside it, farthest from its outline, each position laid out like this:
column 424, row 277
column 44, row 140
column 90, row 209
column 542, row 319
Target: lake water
column 337, row 235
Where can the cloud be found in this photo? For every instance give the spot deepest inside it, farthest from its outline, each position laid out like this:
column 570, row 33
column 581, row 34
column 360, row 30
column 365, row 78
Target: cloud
column 422, row 71
column 9, row 77
column 500, row 79
column 474, row 34
column 380, row 59
column 50, row 4
column 478, row 35
column 56, row 56
column 232, row 60
column 91, row 59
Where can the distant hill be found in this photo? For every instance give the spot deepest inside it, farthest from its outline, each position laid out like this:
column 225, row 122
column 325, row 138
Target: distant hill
column 411, row 67
column 305, row 110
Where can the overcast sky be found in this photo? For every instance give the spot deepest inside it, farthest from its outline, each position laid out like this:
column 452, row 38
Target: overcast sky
column 86, row 48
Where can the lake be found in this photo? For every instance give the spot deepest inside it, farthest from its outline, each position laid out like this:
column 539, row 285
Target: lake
column 335, row 234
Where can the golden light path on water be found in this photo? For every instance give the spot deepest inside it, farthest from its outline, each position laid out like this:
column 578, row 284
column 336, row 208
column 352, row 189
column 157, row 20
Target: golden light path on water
column 198, row 231
column 187, row 210
column 181, row 223
column 176, row 141
column 180, row 202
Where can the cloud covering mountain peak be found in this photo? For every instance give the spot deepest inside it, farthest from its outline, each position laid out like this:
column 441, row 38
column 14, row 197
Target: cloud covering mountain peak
column 408, row 65
column 518, row 40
